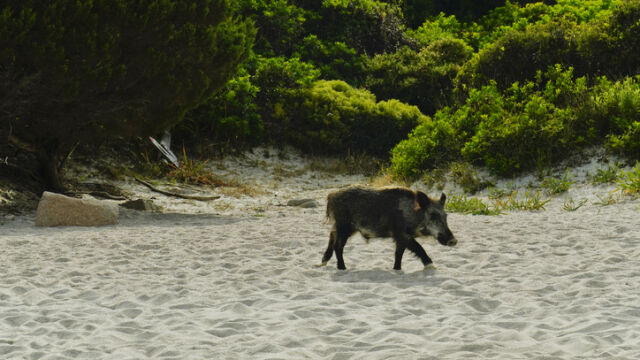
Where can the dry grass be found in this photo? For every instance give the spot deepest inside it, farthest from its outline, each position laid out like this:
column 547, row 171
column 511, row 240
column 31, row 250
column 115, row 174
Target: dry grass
column 351, row 165
column 234, row 187
column 386, row 179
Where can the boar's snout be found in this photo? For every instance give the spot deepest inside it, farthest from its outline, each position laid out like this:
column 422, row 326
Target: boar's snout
column 447, row 239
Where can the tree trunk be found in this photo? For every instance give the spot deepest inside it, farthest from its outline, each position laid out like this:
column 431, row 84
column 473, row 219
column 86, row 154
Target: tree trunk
column 49, row 163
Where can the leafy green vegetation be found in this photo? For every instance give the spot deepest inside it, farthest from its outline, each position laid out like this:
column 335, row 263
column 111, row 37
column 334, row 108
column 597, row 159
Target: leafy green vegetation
column 529, row 201
column 606, row 175
column 333, row 117
column 514, row 201
column 87, row 70
column 511, row 86
column 554, row 185
column 469, row 205
column 571, row 205
column 629, row 181
column 528, row 126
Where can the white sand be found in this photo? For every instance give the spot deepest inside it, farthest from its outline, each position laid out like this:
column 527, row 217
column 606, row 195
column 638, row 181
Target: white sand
column 234, row 279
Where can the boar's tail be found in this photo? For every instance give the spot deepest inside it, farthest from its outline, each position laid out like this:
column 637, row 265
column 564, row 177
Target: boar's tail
column 329, row 218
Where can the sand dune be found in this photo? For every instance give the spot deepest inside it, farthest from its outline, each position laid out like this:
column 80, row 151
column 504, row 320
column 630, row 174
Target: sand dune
column 238, row 282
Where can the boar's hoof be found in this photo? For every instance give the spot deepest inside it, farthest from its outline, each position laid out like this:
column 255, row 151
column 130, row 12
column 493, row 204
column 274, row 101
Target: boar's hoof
column 324, row 263
column 430, row 266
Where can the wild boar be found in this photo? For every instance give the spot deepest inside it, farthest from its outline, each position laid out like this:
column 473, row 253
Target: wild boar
column 399, row 213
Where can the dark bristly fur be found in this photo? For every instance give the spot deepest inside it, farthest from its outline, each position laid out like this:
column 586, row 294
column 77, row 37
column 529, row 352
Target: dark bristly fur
column 399, row 213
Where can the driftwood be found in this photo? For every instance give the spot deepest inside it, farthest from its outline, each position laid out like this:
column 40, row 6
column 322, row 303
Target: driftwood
column 169, row 193
column 106, row 195
column 100, row 190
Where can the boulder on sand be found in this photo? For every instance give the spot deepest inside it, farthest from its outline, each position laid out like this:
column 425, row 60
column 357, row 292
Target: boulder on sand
column 303, row 203
column 59, row 210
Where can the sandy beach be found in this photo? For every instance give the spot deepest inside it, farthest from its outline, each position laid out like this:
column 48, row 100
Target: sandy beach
column 234, row 278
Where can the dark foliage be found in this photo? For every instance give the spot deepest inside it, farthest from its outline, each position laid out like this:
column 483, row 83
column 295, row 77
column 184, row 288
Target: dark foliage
column 89, row 70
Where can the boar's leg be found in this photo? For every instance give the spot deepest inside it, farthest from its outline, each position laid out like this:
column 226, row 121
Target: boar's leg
column 401, row 239
column 343, row 232
column 414, row 247
column 417, row 249
column 329, row 252
column 397, row 265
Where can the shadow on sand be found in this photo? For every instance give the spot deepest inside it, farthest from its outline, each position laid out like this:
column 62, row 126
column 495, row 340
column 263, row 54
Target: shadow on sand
column 131, row 218
column 428, row 277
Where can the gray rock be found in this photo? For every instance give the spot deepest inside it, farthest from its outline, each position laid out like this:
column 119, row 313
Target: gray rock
column 303, row 203
column 59, row 210
column 140, row 205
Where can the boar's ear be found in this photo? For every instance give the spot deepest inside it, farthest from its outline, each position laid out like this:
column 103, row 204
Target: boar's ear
column 443, row 198
column 422, row 201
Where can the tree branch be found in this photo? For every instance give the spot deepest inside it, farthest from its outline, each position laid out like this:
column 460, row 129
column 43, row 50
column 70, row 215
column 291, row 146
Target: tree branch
column 169, row 193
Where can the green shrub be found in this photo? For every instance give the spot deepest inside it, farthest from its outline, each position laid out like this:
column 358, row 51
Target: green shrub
column 606, row 175
column 512, row 16
column 594, row 37
column 334, row 59
column 437, row 28
column 629, row 181
column 618, row 105
column 87, row 71
column 333, row 117
column 623, row 26
column 280, row 25
column 429, row 145
column 570, row 204
column 368, row 26
column 529, row 201
column 518, row 55
column 473, row 206
column 523, row 140
column 230, row 117
column 275, row 74
column 423, row 78
column 533, row 125
column 524, row 127
column 554, row 185
column 439, row 141
column 277, row 79
column 628, row 143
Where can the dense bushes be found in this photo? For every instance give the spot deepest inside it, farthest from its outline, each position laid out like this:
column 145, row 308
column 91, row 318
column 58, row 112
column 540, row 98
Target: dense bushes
column 517, row 55
column 285, row 103
column 431, row 144
column 368, row 26
column 527, row 126
column 533, row 92
column 333, row 117
column 86, row 70
column 280, row 24
column 423, row 78
column 334, row 59
column 245, row 112
column 619, row 104
column 513, row 88
column 561, row 35
column 230, row 117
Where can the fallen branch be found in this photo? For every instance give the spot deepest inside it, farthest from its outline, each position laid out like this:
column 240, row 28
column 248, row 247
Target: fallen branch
column 169, row 193
column 106, row 195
